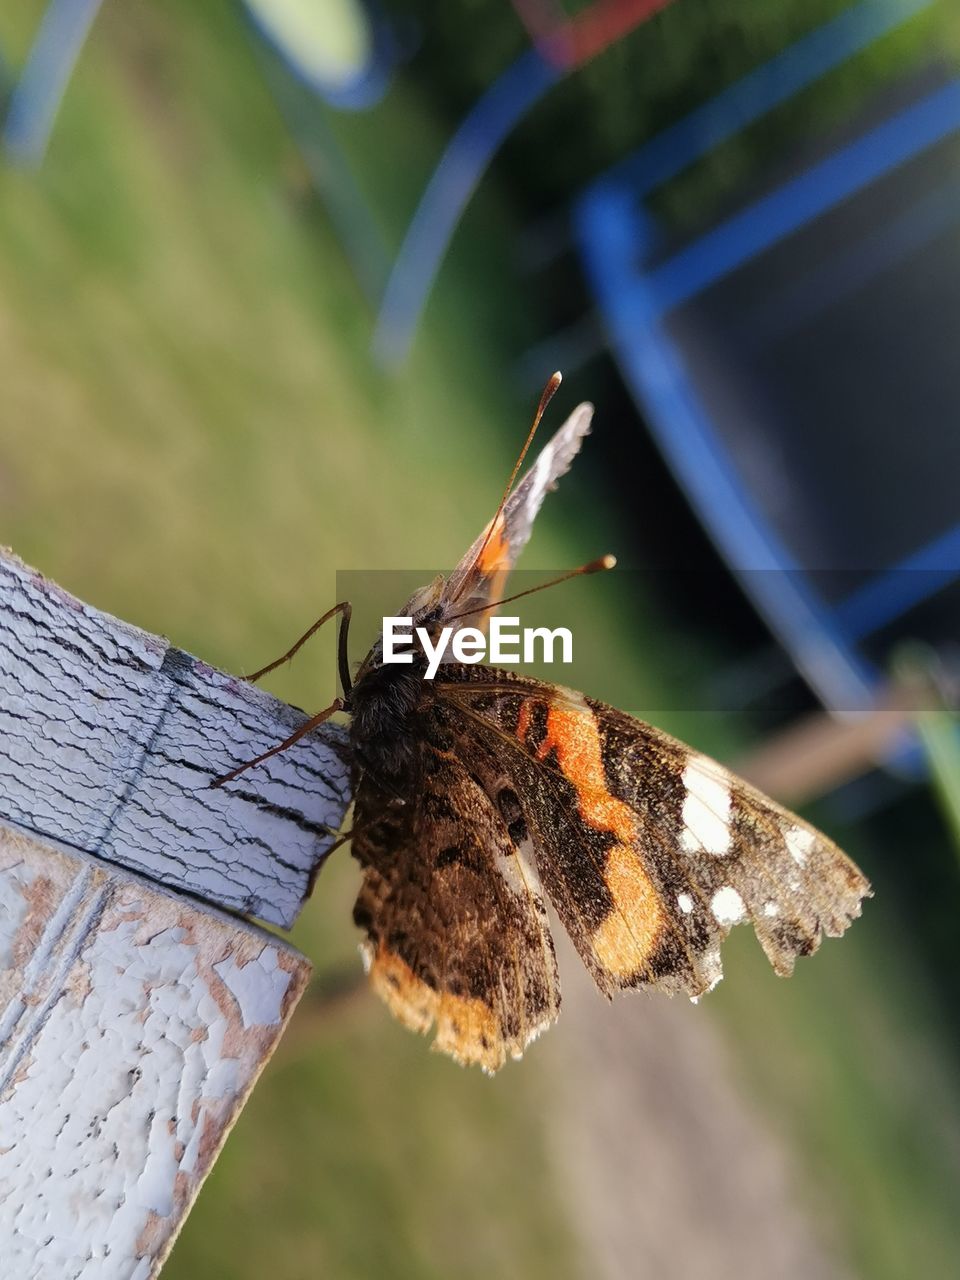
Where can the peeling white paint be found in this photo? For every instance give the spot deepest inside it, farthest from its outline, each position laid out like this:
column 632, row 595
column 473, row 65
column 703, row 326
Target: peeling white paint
column 13, row 908
column 125, row 1066
column 259, row 988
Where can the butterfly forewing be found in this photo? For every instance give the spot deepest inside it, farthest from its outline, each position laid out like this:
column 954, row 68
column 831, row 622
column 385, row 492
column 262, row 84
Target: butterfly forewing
column 481, row 575
column 649, row 851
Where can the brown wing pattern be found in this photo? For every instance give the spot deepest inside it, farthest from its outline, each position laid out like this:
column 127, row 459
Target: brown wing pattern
column 457, row 934
column 482, row 573
column 649, row 851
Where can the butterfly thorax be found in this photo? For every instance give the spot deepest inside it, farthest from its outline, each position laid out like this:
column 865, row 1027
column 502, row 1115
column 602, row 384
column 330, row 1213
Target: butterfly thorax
column 384, row 701
column 383, row 734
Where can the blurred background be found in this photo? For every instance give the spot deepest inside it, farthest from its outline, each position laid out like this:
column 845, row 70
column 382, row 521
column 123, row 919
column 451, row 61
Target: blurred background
column 280, row 283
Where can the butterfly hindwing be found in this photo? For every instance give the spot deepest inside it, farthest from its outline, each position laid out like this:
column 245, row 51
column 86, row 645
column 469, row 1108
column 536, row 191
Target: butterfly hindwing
column 650, row 851
column 457, row 934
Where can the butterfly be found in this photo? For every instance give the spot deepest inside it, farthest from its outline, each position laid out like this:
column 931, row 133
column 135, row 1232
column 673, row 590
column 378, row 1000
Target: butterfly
column 484, row 794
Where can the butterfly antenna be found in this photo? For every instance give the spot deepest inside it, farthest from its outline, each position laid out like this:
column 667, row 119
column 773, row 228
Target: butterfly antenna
column 549, row 391
column 595, row 566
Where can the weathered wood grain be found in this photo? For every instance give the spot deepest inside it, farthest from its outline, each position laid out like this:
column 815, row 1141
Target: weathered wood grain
column 133, row 1023
column 110, row 737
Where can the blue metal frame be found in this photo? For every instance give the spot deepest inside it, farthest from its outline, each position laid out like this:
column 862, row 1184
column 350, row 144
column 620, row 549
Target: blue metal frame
column 39, row 91
column 618, row 236
column 806, row 197
column 465, row 160
column 471, row 149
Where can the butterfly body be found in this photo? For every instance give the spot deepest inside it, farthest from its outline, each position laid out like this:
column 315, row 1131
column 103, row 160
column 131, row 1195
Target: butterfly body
column 483, row 794
column 383, row 729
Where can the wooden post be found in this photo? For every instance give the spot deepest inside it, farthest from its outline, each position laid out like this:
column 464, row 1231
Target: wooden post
column 135, row 1012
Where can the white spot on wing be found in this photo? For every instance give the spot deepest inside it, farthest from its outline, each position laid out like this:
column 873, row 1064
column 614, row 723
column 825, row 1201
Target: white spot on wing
column 706, row 809
column 727, row 905
column 685, row 903
column 799, row 843
column 770, row 909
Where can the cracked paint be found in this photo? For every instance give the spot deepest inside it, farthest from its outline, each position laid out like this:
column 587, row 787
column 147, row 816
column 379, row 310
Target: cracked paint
column 259, row 987
column 109, row 740
column 140, row 1028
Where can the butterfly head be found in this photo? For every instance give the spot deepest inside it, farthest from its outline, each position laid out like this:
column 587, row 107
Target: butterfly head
column 425, row 609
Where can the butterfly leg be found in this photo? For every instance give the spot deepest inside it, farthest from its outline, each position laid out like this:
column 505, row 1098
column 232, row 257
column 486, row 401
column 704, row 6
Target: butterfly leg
column 307, row 727
column 344, row 836
column 318, row 866
column 345, row 609
column 392, row 805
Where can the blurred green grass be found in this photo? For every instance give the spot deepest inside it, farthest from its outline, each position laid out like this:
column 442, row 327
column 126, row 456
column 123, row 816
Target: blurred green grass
column 195, row 439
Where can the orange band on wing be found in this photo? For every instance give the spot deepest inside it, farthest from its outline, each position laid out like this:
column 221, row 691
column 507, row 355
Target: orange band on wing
column 496, row 554
column 467, row 1028
column 573, row 734
column 628, row 936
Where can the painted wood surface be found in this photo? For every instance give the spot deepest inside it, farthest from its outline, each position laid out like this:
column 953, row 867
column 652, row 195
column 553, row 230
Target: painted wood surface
column 133, row 1024
column 110, row 737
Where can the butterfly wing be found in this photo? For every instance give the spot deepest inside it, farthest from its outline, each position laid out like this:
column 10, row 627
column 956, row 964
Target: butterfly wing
column 457, row 932
column 481, row 575
column 649, row 851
